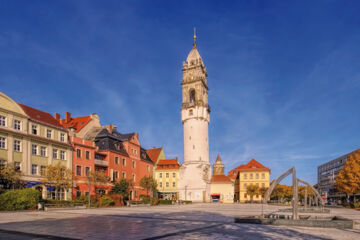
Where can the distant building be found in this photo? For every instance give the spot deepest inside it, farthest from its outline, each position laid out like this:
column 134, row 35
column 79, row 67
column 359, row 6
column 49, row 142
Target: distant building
column 252, row 173
column 221, row 187
column 167, row 176
column 327, row 173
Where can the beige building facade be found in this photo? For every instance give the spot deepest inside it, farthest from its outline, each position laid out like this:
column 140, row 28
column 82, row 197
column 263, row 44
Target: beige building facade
column 222, row 188
column 31, row 139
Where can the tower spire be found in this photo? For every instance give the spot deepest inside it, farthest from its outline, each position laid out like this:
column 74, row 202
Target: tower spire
column 194, row 44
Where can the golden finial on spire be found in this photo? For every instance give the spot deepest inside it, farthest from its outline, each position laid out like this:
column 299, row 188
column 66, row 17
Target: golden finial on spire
column 194, row 44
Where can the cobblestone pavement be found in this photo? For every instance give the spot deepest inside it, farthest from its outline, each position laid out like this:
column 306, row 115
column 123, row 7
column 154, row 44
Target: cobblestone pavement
column 195, row 221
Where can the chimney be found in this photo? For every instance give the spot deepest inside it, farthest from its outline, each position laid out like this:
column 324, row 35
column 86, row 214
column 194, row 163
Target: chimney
column 57, row 117
column 110, row 128
column 67, row 117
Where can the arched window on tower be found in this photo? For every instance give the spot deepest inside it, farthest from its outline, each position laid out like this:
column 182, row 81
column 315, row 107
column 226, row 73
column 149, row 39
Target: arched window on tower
column 192, row 95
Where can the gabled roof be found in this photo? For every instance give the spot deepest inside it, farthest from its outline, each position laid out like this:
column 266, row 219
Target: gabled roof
column 40, row 116
column 114, row 134
column 252, row 165
column 153, row 153
column 77, row 123
column 168, row 164
column 220, row 178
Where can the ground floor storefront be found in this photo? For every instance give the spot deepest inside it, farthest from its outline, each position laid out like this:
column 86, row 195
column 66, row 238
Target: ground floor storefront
column 168, row 195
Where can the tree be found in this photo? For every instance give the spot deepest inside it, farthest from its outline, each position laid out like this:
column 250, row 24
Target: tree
column 262, row 191
column 58, row 176
column 348, row 179
column 122, row 187
column 148, row 183
column 252, row 190
column 10, row 176
column 95, row 178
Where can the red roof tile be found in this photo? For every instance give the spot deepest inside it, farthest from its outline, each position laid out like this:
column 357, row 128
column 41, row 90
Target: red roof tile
column 153, row 153
column 40, row 116
column 77, row 123
column 252, row 165
column 168, row 164
column 220, row 178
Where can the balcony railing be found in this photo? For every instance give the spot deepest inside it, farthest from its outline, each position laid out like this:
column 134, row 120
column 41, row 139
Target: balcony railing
column 101, row 163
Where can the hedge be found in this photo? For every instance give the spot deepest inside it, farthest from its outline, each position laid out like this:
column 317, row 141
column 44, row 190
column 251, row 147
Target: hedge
column 21, row 199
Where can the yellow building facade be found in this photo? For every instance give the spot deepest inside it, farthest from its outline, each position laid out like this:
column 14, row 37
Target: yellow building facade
column 30, row 140
column 252, row 173
column 167, row 176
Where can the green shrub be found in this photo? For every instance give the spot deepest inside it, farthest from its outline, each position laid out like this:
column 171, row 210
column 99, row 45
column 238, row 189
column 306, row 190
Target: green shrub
column 106, row 201
column 20, row 199
column 187, row 202
column 82, row 199
column 165, row 202
column 144, row 198
column 356, row 205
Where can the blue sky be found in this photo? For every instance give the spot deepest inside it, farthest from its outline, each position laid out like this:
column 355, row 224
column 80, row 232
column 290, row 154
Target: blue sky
column 284, row 76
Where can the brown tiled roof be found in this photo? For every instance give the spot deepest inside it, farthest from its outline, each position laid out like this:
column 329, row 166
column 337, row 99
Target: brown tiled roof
column 40, row 116
column 220, row 178
column 77, row 123
column 153, row 153
column 168, row 164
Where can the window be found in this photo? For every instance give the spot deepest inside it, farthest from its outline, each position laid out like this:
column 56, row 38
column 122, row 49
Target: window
column 17, row 125
column 34, row 129
column 133, row 164
column 174, row 184
column 245, row 185
column 42, row 170
column 48, row 133
column 160, row 175
column 263, row 185
column 62, row 155
column 62, row 137
column 263, row 175
column 115, row 175
column 174, row 175
column 78, row 193
column 257, row 176
column 78, row 153
column 34, row 149
column 190, row 112
column 17, row 166
column 2, row 143
column 133, row 177
column 124, row 175
column 192, row 96
column 87, row 155
column 116, row 160
column 160, row 184
column 78, row 170
column 167, row 184
column 257, row 184
column 17, row 145
column 136, row 193
column 124, row 162
column 34, row 169
column 2, row 163
column 251, row 176
column 43, row 151
column 257, row 195
column 245, row 195
column 55, row 153
column 148, row 168
column 245, row 176
column 87, row 171
column 2, row 121
column 167, row 175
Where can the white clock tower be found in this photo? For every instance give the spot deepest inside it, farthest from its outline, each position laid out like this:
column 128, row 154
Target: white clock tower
column 195, row 173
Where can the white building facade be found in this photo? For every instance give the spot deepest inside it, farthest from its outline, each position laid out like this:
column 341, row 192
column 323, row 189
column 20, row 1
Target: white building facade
column 195, row 173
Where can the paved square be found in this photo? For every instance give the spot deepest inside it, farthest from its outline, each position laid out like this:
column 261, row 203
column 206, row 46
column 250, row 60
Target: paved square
column 195, row 221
